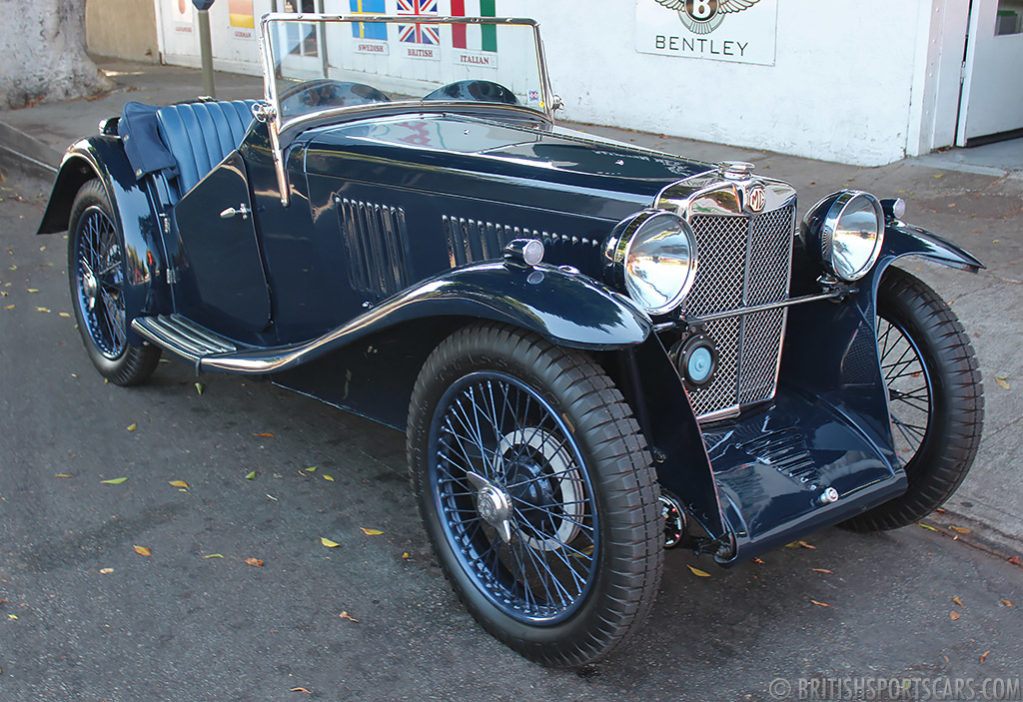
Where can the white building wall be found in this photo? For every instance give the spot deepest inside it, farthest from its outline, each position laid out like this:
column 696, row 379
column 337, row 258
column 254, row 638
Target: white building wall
column 840, row 89
column 865, row 82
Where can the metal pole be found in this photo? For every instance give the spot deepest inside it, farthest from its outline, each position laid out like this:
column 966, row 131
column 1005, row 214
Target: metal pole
column 206, row 52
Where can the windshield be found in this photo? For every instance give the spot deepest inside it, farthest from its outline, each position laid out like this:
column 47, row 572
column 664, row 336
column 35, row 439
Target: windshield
column 315, row 63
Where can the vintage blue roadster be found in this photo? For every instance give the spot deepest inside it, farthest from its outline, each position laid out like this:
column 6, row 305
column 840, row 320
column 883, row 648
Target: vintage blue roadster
column 595, row 351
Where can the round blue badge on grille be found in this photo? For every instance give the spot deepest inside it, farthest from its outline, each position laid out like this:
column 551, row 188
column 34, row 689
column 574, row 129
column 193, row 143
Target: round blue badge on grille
column 701, row 364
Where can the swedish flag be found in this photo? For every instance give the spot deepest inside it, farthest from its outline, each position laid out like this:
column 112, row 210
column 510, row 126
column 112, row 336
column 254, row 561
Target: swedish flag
column 368, row 30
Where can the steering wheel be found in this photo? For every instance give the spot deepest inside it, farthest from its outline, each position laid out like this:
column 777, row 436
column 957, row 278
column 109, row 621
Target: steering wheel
column 474, row 91
column 306, row 97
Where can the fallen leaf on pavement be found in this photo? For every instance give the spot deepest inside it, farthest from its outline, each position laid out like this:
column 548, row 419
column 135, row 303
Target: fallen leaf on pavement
column 132, row 427
column 697, row 572
column 959, row 529
column 958, row 601
column 266, row 434
column 62, row 475
column 310, row 469
column 300, row 689
column 758, row 560
column 822, row 570
column 371, row 532
column 346, row 615
column 406, row 556
column 33, row 290
column 953, row 615
column 106, row 571
column 143, row 550
column 9, row 307
column 928, row 527
column 328, row 543
column 251, row 475
column 254, row 562
column 213, row 555
column 1002, row 382
column 329, row 478
column 43, row 309
column 1014, row 560
column 820, row 604
column 178, row 484
column 64, row 314
column 199, row 388
column 13, row 616
column 984, row 656
column 113, row 481
column 1007, row 603
column 806, row 545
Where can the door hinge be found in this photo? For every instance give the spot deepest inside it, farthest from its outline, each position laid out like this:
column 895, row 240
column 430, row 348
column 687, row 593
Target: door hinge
column 172, row 276
column 165, row 223
column 962, row 72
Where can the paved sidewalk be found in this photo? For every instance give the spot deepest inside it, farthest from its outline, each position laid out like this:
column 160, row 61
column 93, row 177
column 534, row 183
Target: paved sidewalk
column 980, row 210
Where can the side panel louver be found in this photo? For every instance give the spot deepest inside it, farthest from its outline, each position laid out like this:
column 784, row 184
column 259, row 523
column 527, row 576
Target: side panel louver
column 377, row 242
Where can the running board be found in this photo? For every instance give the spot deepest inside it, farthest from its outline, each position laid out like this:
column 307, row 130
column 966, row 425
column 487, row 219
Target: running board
column 183, row 337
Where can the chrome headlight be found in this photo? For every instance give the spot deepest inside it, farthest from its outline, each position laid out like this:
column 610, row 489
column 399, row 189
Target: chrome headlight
column 653, row 255
column 846, row 231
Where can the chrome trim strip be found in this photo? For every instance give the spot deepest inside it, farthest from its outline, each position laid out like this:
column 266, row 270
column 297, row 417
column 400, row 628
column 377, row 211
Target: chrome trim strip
column 830, row 295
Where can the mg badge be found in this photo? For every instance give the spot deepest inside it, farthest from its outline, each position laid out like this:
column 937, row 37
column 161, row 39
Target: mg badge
column 756, row 198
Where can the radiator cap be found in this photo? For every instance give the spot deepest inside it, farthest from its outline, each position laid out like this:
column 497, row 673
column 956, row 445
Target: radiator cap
column 735, row 170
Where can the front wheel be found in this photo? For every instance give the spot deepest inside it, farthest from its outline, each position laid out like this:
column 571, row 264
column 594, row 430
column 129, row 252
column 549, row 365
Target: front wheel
column 935, row 397
column 537, row 493
column 96, row 273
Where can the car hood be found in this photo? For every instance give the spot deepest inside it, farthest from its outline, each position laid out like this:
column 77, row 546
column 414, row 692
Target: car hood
column 418, row 151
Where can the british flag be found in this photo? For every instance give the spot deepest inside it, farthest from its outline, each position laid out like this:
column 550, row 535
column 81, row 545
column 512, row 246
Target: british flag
column 418, row 33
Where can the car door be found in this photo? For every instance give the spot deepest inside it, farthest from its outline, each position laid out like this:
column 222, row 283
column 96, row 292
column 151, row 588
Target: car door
column 221, row 281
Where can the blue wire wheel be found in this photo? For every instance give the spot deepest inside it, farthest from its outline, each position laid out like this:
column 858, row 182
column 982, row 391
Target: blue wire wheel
column 98, row 276
column 514, row 497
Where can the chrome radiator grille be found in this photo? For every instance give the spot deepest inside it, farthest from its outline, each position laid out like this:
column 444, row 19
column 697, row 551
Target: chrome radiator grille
column 743, row 261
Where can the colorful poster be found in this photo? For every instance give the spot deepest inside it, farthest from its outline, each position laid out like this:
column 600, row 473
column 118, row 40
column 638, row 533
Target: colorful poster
column 369, row 30
column 419, row 40
column 184, row 13
column 242, row 19
column 475, row 44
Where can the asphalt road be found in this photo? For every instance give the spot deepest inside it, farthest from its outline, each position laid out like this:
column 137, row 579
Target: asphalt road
column 83, row 616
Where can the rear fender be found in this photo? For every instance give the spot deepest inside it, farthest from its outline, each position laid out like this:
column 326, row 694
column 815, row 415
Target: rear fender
column 135, row 217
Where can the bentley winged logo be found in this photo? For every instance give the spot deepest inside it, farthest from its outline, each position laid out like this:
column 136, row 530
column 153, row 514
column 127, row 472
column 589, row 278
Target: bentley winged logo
column 704, row 16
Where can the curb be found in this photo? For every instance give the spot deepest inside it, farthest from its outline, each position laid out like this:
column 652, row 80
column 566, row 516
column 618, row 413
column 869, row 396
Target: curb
column 27, row 152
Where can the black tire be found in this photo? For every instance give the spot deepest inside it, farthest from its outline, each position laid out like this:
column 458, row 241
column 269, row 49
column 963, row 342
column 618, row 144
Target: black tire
column 568, row 458
column 936, row 398
column 96, row 274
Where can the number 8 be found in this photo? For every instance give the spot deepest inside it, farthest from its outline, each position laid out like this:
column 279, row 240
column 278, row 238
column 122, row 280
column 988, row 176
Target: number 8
column 702, row 9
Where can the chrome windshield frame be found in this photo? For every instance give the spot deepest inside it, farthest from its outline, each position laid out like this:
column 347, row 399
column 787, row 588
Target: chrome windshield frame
column 271, row 113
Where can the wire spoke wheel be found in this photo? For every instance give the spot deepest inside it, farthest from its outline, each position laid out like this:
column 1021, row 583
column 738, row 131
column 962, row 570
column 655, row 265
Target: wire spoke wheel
column 536, row 491
column 935, row 398
column 515, row 498
column 909, row 388
column 97, row 276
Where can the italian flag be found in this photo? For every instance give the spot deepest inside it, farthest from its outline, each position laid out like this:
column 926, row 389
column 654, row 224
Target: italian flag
column 474, row 37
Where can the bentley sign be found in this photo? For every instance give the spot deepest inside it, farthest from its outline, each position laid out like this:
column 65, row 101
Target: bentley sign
column 742, row 31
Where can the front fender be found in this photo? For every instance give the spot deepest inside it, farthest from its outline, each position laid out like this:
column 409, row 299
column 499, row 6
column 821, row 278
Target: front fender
column 103, row 157
column 902, row 239
column 566, row 308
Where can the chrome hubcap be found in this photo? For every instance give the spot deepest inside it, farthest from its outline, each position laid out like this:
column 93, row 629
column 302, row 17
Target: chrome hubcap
column 493, row 505
column 90, row 288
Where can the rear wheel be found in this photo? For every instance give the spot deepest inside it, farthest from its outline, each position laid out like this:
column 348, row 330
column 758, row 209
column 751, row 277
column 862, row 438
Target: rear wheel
column 936, row 398
column 96, row 272
column 537, row 493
